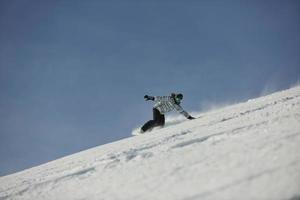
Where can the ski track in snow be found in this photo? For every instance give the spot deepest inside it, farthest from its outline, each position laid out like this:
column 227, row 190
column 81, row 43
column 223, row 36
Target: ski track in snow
column 244, row 151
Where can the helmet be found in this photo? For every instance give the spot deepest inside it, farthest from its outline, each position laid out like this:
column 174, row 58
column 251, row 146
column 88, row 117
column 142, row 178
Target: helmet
column 178, row 97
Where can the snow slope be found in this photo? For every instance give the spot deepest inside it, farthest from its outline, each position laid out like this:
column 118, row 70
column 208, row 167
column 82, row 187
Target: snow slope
column 244, row 151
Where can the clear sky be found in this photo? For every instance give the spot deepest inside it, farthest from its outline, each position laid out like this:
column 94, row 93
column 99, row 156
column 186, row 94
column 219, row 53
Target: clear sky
column 73, row 73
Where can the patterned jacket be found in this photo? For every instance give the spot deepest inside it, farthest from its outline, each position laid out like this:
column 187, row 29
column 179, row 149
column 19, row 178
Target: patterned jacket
column 166, row 104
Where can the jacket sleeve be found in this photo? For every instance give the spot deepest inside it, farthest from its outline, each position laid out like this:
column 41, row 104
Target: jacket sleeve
column 181, row 111
column 161, row 98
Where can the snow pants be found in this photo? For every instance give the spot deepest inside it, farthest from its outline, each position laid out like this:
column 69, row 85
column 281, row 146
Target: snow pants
column 158, row 120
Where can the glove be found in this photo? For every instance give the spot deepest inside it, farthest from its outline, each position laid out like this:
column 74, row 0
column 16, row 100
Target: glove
column 147, row 98
column 190, row 117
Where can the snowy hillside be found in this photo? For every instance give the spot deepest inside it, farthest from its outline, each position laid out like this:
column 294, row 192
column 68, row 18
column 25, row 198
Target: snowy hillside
column 249, row 151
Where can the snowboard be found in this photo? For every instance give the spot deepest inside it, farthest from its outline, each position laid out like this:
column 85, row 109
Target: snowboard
column 137, row 131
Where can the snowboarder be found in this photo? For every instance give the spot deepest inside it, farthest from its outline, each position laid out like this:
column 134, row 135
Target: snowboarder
column 163, row 104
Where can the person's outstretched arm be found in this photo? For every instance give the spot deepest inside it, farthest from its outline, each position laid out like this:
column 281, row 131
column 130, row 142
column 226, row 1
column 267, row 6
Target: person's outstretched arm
column 157, row 98
column 183, row 112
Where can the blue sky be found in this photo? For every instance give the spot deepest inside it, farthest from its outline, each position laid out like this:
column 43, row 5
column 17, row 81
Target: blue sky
column 73, row 73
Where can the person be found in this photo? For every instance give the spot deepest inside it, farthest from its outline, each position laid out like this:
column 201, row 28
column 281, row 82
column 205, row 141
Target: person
column 163, row 104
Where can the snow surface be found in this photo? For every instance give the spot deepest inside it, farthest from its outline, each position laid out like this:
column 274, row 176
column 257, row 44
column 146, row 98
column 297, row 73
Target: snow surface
column 244, row 151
